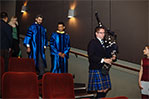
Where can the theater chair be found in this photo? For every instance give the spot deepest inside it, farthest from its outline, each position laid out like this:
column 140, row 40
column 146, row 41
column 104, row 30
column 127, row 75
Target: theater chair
column 20, row 85
column 21, row 65
column 1, row 65
column 119, row 97
column 57, row 86
column 1, row 72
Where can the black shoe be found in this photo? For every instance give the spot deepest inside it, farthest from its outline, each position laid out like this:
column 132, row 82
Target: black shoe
column 100, row 95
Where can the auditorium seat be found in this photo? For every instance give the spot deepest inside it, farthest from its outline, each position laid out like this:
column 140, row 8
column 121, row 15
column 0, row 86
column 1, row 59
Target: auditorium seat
column 1, row 72
column 21, row 65
column 1, row 65
column 119, row 97
column 20, row 85
column 58, row 86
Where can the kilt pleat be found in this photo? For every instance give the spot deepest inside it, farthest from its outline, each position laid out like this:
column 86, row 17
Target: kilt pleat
column 97, row 81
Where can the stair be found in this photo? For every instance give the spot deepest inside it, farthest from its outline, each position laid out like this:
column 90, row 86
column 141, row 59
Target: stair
column 81, row 91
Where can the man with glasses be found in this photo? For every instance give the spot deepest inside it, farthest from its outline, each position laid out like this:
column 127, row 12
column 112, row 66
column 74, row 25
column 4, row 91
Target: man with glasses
column 98, row 82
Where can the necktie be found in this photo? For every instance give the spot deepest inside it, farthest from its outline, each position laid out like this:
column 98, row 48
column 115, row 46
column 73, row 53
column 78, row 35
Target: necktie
column 102, row 43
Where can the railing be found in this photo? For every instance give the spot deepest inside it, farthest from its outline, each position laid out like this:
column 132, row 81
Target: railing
column 115, row 64
column 86, row 56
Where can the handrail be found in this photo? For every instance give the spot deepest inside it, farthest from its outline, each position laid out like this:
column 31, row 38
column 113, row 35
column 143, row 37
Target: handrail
column 86, row 56
column 115, row 64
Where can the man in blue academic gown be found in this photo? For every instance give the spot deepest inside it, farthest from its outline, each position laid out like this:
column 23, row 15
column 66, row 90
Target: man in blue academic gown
column 59, row 48
column 36, row 43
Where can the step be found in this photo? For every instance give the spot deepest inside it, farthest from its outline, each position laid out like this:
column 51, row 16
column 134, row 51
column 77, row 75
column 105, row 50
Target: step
column 81, row 92
column 78, row 85
column 85, row 95
column 79, row 88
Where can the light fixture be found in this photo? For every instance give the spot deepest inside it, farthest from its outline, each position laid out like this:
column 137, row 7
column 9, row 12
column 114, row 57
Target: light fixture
column 71, row 13
column 24, row 8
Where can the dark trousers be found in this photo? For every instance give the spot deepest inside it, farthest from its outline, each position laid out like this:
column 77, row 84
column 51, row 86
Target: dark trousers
column 15, row 48
column 41, row 66
column 5, row 55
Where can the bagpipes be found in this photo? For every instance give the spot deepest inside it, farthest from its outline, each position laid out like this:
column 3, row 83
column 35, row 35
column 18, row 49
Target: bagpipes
column 110, row 44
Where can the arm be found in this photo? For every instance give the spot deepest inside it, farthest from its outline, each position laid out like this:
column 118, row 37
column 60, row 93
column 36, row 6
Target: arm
column 140, row 74
column 18, row 33
column 93, row 57
column 9, row 35
column 28, row 36
column 53, row 49
column 27, row 39
column 91, row 53
column 45, row 39
column 67, row 47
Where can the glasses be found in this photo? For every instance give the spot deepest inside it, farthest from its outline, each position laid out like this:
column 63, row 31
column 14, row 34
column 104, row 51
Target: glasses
column 101, row 32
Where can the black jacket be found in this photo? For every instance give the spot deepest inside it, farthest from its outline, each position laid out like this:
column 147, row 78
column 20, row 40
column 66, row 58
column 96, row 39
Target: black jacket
column 95, row 53
column 5, row 35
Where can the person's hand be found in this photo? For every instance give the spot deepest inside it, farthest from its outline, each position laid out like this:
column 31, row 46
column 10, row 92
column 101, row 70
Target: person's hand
column 9, row 50
column 140, row 85
column 28, row 49
column 113, row 57
column 17, row 23
column 63, row 55
column 60, row 54
column 108, row 61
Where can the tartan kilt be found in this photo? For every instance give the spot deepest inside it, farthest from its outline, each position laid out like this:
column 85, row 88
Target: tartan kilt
column 97, row 81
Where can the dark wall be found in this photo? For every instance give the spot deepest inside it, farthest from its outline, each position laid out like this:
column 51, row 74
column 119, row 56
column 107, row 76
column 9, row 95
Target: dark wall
column 127, row 18
column 8, row 6
column 129, row 21
column 55, row 11
column 148, row 24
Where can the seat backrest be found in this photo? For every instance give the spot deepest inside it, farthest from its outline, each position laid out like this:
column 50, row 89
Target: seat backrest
column 1, row 72
column 119, row 97
column 57, row 86
column 21, row 65
column 20, row 85
column 1, row 66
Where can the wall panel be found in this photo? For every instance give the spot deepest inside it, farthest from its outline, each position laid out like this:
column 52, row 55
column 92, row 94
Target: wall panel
column 127, row 18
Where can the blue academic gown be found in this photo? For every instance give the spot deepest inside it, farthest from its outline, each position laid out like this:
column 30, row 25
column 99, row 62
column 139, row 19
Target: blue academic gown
column 36, row 38
column 59, row 43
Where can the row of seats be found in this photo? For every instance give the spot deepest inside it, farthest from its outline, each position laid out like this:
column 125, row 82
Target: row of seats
column 17, row 65
column 21, row 64
column 120, row 97
column 1, row 71
column 21, row 82
column 25, row 85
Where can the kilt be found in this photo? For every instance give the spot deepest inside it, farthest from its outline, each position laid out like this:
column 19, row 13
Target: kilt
column 97, row 81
